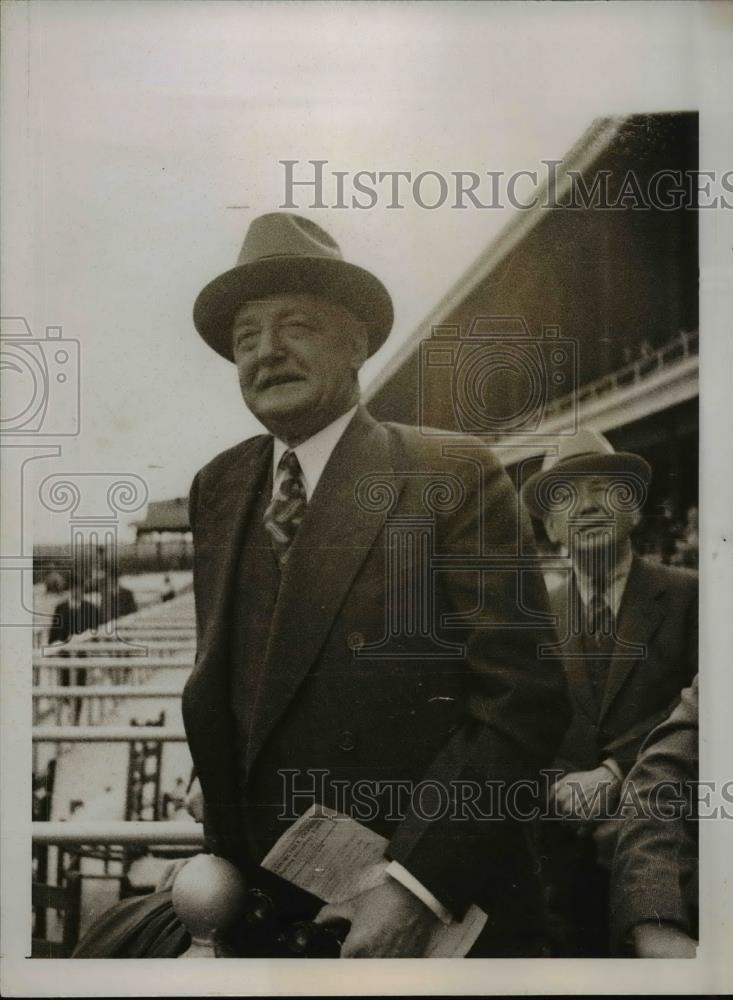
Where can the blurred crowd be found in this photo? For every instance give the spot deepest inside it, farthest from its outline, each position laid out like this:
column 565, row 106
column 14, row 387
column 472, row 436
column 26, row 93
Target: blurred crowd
column 88, row 602
column 85, row 601
column 670, row 540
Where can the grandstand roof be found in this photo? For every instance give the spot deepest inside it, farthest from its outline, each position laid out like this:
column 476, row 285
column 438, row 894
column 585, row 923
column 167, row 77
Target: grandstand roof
column 619, row 285
column 165, row 515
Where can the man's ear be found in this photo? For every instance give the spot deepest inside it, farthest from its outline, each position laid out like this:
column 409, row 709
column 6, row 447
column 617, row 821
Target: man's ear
column 551, row 529
column 360, row 344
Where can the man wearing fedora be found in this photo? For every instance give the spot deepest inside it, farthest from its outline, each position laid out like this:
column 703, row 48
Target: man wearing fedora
column 627, row 631
column 292, row 590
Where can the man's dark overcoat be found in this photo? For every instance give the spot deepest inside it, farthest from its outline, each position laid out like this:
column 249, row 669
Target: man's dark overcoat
column 331, row 698
column 654, row 658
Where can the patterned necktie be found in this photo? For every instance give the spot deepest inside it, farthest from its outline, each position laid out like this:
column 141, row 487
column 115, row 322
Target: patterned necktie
column 285, row 512
column 600, row 618
column 600, row 630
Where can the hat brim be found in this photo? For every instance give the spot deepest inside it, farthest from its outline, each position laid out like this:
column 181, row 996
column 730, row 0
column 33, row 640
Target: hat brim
column 591, row 464
column 346, row 284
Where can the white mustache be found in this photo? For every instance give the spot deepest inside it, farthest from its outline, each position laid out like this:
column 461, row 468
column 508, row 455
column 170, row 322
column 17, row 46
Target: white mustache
column 276, row 378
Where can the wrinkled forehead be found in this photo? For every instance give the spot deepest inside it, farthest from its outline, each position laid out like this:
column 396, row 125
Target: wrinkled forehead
column 584, row 486
column 598, row 481
column 289, row 303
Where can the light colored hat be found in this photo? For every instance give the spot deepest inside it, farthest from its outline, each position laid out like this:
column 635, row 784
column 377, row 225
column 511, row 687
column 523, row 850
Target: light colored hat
column 283, row 252
column 586, row 452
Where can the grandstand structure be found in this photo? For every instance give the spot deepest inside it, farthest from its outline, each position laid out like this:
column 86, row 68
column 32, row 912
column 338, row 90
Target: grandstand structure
column 614, row 289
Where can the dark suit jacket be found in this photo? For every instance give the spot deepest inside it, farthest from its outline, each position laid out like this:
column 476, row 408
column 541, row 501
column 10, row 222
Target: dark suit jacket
column 654, row 658
column 496, row 712
column 73, row 620
column 655, row 865
column 117, row 604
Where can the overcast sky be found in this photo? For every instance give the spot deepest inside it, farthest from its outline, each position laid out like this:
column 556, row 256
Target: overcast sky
column 153, row 136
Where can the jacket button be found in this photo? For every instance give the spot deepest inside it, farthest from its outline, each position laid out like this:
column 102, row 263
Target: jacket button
column 355, row 640
column 347, row 740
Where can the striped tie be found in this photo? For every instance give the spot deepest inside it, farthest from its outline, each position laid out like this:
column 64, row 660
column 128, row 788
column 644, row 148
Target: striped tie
column 600, row 623
column 600, row 617
column 285, row 512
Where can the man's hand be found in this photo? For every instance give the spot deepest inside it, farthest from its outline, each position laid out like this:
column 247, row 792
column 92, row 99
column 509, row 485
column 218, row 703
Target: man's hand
column 169, row 874
column 586, row 794
column 660, row 940
column 195, row 802
column 386, row 922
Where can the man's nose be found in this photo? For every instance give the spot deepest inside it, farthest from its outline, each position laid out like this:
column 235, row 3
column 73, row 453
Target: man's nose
column 588, row 509
column 269, row 343
column 592, row 507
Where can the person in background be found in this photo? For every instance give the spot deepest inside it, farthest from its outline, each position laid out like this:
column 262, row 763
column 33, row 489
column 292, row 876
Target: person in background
column 654, row 891
column 688, row 543
column 167, row 593
column 628, row 641
column 73, row 615
column 116, row 601
column 55, row 582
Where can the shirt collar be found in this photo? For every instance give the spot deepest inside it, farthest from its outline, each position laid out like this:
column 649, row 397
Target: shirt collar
column 616, row 584
column 314, row 453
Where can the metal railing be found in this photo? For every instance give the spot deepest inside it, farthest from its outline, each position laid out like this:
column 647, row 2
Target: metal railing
column 112, row 662
column 141, row 832
column 106, row 691
column 682, row 346
column 128, row 645
column 105, row 668
column 107, row 734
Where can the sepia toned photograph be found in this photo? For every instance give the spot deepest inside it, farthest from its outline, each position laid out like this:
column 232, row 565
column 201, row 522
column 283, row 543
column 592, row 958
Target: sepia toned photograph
column 365, row 497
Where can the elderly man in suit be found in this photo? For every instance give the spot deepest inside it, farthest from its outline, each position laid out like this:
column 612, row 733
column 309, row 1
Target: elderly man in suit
column 299, row 686
column 628, row 641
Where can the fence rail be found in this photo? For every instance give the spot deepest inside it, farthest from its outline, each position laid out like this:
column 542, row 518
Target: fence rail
column 118, row 832
column 684, row 345
column 112, row 662
column 107, row 734
column 107, row 691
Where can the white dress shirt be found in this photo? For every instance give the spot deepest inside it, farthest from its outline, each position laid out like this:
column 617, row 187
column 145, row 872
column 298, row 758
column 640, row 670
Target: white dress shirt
column 313, row 456
column 616, row 584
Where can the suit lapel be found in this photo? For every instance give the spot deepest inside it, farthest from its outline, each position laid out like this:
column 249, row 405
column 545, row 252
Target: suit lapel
column 220, row 544
column 207, row 695
column 333, row 541
column 640, row 615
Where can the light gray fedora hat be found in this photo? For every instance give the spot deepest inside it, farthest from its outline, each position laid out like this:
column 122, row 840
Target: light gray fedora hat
column 283, row 252
column 586, row 452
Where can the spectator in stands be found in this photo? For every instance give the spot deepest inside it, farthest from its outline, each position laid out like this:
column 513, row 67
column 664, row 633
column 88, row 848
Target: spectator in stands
column 167, row 593
column 628, row 639
column 55, row 582
column 686, row 550
column 73, row 615
column 654, row 884
column 116, row 601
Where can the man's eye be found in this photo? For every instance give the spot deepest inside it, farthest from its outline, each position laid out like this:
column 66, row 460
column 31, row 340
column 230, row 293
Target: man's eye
column 245, row 338
column 297, row 324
